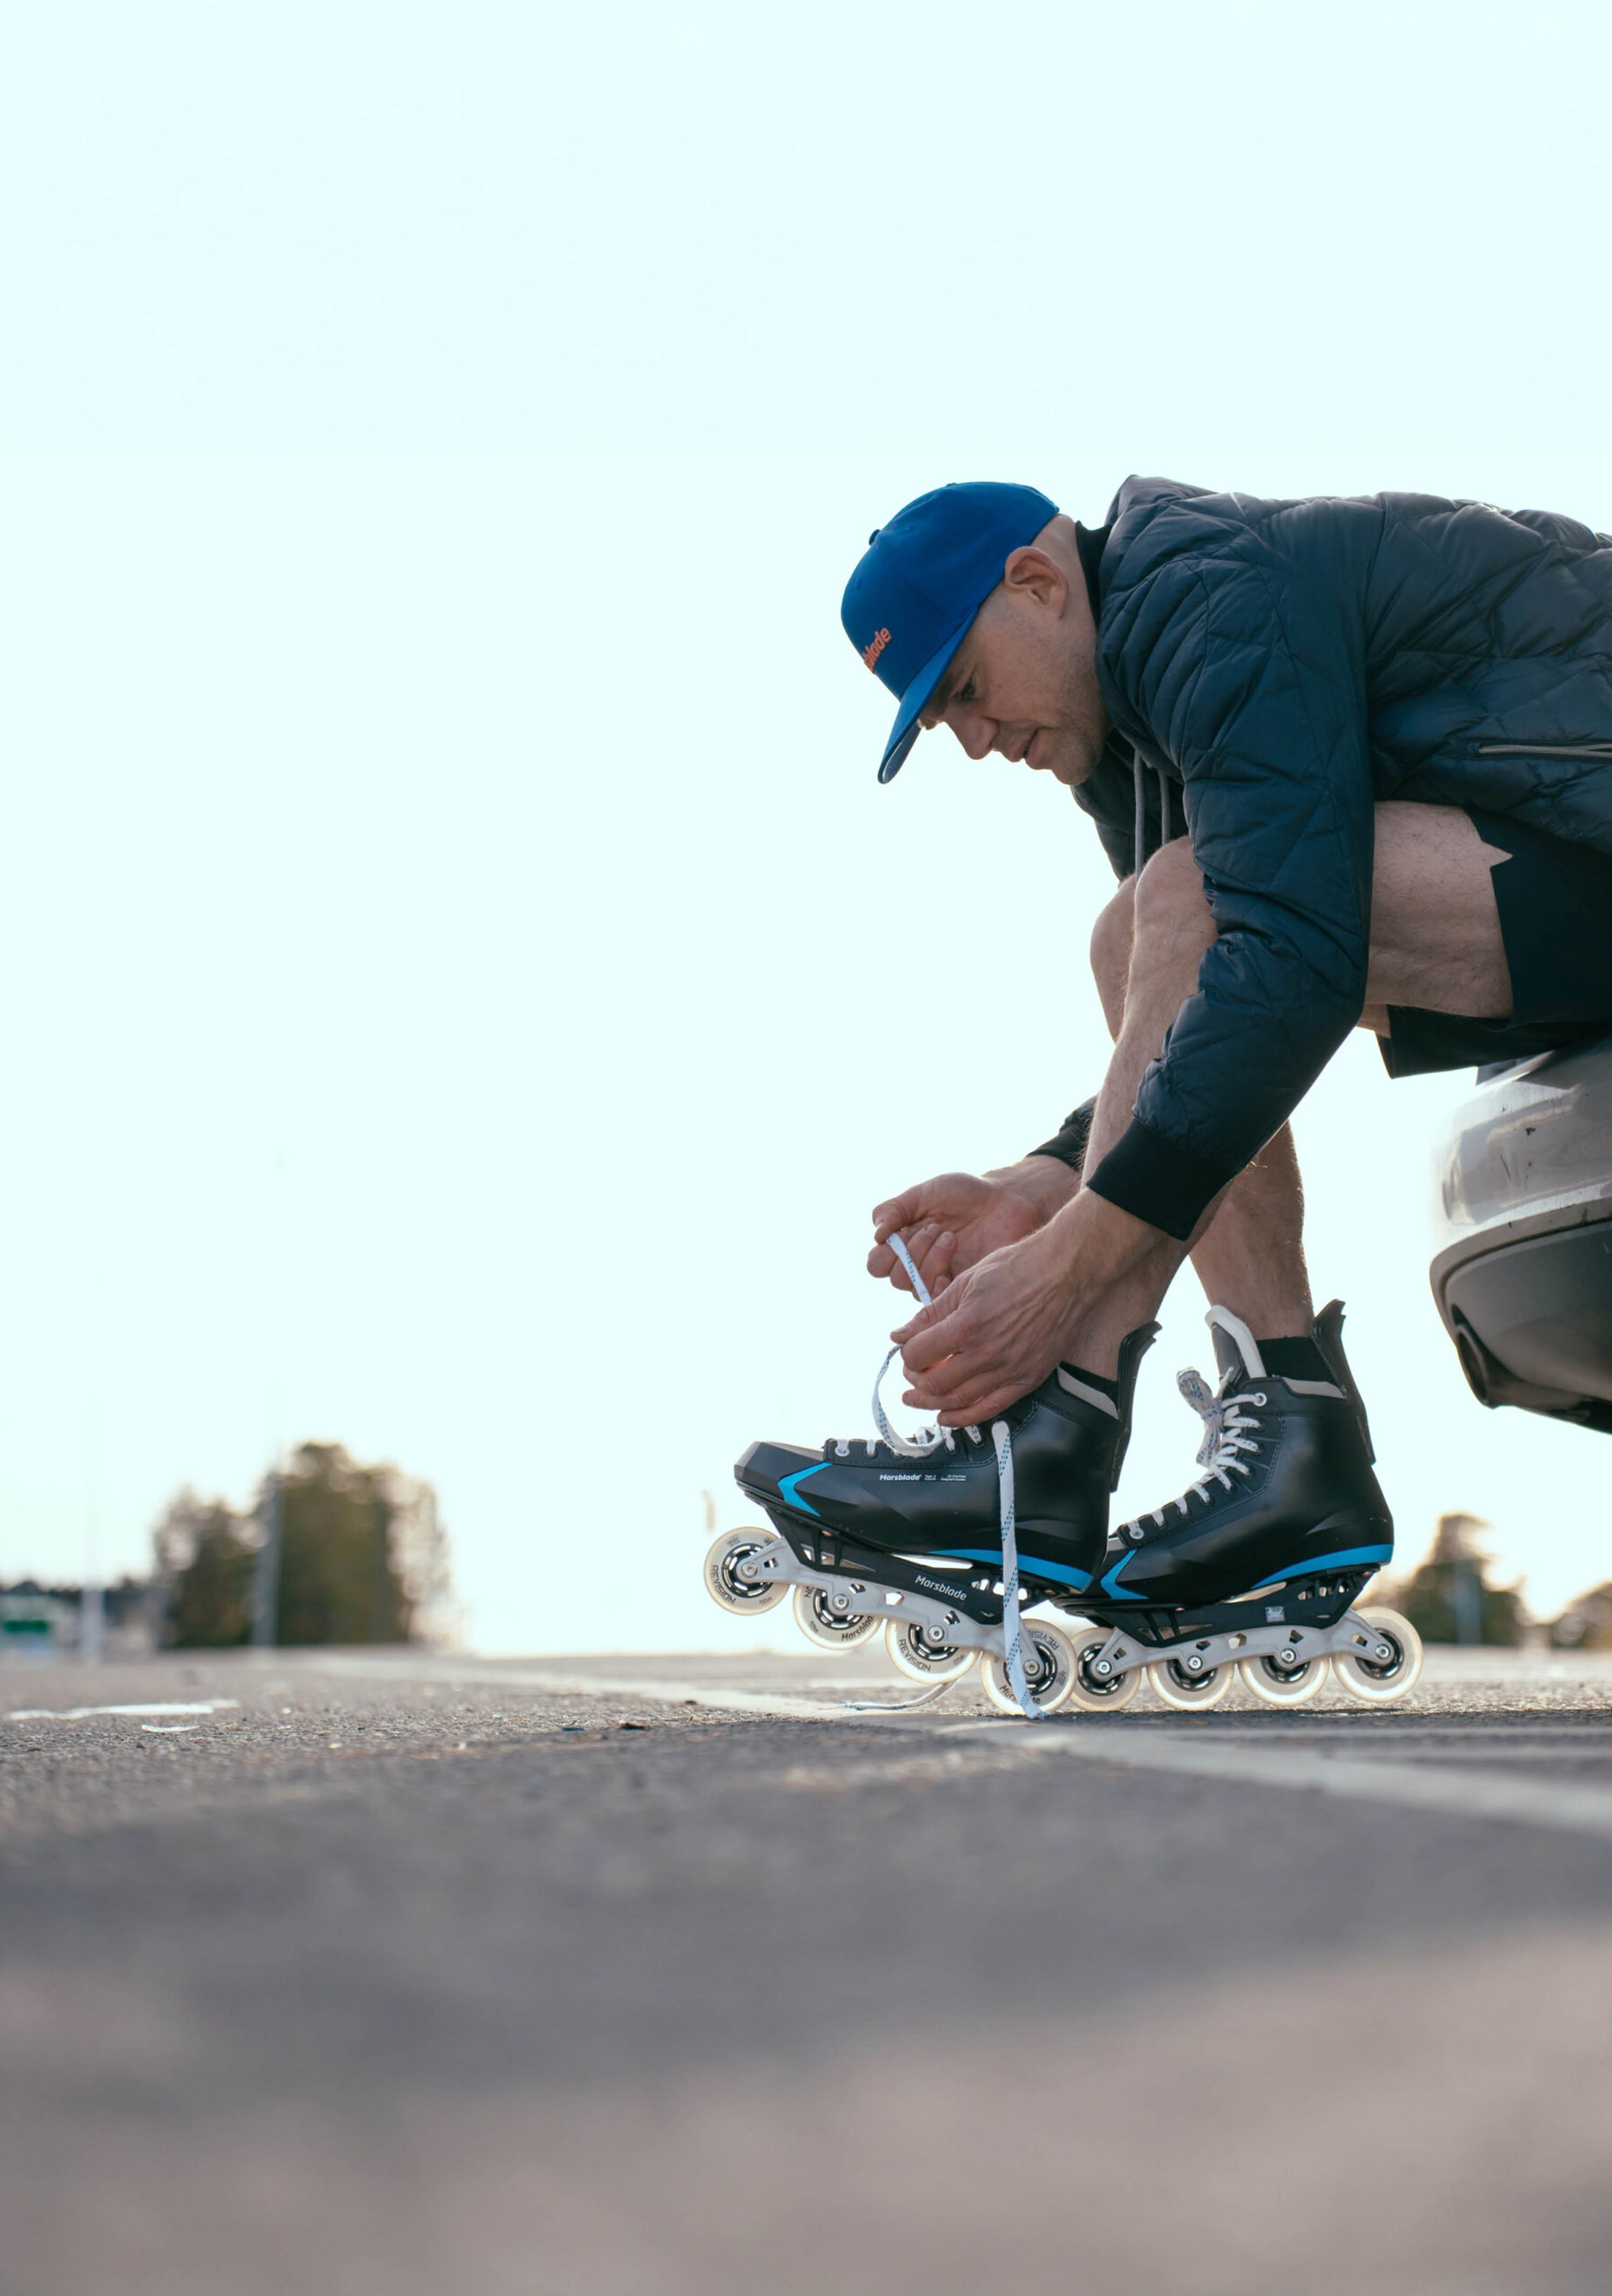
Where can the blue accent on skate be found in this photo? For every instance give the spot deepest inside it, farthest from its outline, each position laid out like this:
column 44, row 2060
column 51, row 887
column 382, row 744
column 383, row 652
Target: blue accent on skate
column 1115, row 1591
column 1313, row 1562
column 791, row 1497
column 1042, row 1568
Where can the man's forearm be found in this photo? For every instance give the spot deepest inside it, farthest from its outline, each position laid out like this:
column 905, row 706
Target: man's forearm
column 1046, row 1181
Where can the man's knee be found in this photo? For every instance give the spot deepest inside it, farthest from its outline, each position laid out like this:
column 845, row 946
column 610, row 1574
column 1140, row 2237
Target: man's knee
column 1111, row 938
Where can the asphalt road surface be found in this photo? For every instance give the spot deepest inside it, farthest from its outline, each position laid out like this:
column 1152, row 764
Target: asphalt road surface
column 357, row 1974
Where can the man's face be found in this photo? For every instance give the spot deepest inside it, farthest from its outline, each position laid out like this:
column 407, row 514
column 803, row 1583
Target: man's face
column 1023, row 681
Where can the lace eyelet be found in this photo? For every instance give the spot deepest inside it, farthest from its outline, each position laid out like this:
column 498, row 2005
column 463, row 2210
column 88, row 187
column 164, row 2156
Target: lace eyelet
column 1260, row 1401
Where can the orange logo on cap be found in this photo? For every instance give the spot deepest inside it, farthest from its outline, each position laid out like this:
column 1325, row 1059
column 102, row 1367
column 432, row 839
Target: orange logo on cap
column 870, row 653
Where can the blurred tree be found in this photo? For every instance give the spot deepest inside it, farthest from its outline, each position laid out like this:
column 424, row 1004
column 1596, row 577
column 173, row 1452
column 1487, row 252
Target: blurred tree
column 204, row 1558
column 363, row 1559
column 1450, row 1599
column 338, row 1579
column 419, row 1549
column 1585, row 1624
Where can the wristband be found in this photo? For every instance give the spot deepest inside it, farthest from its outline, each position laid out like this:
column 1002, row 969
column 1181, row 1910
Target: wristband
column 1068, row 1143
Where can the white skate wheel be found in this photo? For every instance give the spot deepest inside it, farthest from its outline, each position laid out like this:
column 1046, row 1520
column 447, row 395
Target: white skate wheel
column 832, row 1630
column 727, row 1588
column 1095, row 1694
column 1380, row 1680
column 1279, row 1685
column 1049, row 1656
column 910, row 1650
column 1190, row 1693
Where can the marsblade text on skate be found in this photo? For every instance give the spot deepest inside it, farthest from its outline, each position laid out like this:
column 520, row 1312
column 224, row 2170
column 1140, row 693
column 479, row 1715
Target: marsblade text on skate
column 1255, row 1571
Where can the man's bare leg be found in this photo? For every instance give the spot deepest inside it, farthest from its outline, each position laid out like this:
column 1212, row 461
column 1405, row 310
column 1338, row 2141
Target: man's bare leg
column 1435, row 942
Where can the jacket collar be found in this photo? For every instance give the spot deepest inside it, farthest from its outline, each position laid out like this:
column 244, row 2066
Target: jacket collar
column 1090, row 541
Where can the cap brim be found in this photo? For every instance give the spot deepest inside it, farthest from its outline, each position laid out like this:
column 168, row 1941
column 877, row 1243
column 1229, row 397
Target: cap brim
column 906, row 730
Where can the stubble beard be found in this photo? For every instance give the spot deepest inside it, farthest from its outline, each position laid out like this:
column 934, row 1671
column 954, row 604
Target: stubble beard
column 1082, row 734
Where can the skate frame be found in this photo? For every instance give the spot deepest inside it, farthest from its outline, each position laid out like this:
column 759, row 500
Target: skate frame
column 1301, row 1621
column 961, row 1615
column 971, row 1617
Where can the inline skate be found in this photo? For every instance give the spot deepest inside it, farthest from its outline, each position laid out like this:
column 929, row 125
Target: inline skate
column 940, row 1541
column 1255, row 1571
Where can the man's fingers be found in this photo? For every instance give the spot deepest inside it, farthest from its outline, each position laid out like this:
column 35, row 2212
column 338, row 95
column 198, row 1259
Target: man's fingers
column 958, row 1391
column 900, row 1211
column 933, row 1261
column 941, row 1309
column 934, row 1334
column 930, row 1249
column 952, row 1385
column 914, row 1325
column 883, row 1262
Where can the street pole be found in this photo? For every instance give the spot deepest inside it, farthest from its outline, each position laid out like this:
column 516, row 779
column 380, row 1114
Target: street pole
column 91, row 1606
column 265, row 1573
column 1468, row 1603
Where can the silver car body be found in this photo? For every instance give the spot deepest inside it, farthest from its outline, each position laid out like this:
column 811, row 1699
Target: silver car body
column 1523, row 1278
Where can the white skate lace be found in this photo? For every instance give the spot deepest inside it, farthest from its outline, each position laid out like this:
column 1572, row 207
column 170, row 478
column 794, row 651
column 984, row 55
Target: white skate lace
column 1228, row 1439
column 929, row 1440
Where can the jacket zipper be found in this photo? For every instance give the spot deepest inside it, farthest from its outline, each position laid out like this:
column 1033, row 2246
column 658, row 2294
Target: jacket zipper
column 1544, row 749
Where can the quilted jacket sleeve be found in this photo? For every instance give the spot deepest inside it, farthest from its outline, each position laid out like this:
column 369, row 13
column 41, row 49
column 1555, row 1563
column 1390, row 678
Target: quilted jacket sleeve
column 1247, row 675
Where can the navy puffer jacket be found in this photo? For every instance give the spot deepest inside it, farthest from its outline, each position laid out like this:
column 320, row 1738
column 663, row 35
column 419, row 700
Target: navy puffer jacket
column 1281, row 665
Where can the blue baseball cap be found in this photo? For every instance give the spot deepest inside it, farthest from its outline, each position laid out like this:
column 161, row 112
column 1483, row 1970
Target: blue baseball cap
column 922, row 581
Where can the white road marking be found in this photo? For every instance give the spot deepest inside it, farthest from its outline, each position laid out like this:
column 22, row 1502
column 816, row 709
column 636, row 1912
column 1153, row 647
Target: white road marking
column 1561, row 1806
column 81, row 1713
column 1418, row 1729
column 557, row 1683
column 750, row 1701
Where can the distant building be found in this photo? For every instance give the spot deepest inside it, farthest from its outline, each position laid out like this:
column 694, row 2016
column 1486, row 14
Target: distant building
column 42, row 1622
column 33, row 1624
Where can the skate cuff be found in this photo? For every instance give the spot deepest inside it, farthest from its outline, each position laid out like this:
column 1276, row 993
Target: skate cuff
column 1154, row 1180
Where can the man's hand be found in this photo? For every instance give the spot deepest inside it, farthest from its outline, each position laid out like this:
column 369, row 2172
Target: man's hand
column 950, row 1223
column 1058, row 1295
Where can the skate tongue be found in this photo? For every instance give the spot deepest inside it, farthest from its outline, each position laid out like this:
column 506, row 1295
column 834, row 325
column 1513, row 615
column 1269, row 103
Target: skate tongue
column 1236, row 1353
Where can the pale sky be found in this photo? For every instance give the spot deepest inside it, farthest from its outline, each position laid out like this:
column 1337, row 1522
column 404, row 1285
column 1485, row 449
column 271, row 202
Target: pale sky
column 467, row 989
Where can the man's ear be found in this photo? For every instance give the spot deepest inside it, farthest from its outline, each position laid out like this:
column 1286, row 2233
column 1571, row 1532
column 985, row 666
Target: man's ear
column 1030, row 573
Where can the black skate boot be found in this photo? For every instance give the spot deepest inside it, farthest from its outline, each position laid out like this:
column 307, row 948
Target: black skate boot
column 1254, row 1569
column 920, row 1537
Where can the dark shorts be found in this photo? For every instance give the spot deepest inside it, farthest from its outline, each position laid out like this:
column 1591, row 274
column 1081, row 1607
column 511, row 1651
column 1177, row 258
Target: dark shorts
column 1555, row 903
